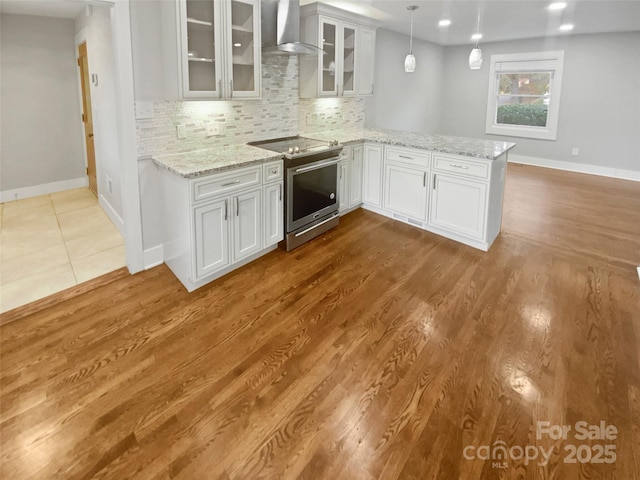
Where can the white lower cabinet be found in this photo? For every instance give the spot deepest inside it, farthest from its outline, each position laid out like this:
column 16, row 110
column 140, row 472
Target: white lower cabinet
column 273, row 214
column 247, row 224
column 350, row 179
column 216, row 223
column 343, row 185
column 372, row 175
column 405, row 191
column 355, row 187
column 459, row 205
column 211, row 237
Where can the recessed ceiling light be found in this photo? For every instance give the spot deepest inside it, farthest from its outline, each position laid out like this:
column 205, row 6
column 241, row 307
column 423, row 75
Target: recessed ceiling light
column 476, row 36
column 566, row 27
column 444, row 23
column 557, row 6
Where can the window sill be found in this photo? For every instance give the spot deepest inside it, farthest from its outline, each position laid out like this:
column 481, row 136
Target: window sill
column 521, row 131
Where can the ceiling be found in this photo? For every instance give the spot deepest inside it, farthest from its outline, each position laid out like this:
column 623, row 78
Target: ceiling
column 499, row 19
column 44, row 8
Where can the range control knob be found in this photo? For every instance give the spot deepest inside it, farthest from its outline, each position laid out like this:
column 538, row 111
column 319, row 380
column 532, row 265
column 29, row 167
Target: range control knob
column 333, row 143
column 296, row 150
column 290, row 150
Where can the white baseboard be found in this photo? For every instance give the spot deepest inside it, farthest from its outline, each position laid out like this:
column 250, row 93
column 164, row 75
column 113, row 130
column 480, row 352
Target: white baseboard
column 112, row 214
column 577, row 167
column 43, row 189
column 152, row 257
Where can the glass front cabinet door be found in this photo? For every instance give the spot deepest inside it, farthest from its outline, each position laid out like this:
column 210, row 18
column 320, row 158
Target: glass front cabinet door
column 220, row 48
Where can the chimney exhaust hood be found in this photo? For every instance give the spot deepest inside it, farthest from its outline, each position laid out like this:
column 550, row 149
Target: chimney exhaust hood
column 281, row 29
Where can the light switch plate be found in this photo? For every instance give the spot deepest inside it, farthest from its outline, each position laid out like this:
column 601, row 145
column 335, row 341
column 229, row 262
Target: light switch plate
column 181, row 131
column 144, row 110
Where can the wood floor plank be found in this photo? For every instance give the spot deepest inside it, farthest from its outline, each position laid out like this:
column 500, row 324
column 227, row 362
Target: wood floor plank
column 377, row 351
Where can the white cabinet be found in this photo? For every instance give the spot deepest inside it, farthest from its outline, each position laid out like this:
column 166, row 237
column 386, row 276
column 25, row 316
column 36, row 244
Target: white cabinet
column 220, row 48
column 355, row 188
column 405, row 191
column 346, row 68
column 273, row 214
column 343, row 185
column 211, row 237
column 459, row 205
column 247, row 224
column 350, row 179
column 372, row 175
column 216, row 223
column 366, row 61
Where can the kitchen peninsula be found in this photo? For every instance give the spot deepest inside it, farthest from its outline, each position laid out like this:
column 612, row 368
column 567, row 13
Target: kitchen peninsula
column 224, row 207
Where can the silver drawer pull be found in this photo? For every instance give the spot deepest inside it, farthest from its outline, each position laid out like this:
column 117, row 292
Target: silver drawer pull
column 404, row 156
column 235, row 182
column 274, row 172
column 455, row 165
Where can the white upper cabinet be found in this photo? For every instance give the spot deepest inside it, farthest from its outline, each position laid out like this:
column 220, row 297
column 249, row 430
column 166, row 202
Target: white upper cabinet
column 220, row 48
column 346, row 68
column 366, row 61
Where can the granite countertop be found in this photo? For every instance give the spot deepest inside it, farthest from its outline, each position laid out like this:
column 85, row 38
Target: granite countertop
column 205, row 162
column 469, row 147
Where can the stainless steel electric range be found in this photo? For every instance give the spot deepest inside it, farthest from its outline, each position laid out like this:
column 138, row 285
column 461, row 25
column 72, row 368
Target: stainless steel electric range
column 311, row 186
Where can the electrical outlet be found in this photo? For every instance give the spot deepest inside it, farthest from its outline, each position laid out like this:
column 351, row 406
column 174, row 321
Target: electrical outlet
column 144, row 110
column 182, row 132
column 575, row 151
column 212, row 129
column 109, row 185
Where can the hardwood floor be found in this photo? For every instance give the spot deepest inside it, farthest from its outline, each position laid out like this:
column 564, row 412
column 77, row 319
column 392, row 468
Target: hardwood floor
column 377, row 351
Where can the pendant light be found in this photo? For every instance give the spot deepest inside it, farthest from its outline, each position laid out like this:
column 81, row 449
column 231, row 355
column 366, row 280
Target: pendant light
column 475, row 58
column 410, row 60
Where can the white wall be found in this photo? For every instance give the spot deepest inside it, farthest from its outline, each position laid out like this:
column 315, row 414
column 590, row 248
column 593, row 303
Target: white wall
column 599, row 108
column 405, row 101
column 39, row 102
column 97, row 29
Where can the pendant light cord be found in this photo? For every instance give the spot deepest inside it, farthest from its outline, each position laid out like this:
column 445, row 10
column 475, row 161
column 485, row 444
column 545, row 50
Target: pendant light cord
column 411, row 37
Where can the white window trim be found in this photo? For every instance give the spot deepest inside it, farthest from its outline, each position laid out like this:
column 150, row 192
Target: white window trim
column 550, row 61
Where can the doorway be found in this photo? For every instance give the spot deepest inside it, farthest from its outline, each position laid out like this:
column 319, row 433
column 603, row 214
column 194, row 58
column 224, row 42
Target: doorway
column 87, row 117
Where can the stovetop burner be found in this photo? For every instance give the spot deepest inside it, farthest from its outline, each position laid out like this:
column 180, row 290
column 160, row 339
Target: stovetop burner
column 298, row 147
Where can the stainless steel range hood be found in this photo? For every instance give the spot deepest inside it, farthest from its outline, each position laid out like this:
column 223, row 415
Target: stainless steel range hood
column 281, row 29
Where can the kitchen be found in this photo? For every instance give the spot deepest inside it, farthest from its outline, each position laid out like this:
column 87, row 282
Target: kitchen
column 346, row 339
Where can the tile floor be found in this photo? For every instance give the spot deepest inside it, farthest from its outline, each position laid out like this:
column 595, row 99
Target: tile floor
column 53, row 242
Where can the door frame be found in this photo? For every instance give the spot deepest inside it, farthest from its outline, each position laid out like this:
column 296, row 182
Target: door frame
column 79, row 39
column 126, row 128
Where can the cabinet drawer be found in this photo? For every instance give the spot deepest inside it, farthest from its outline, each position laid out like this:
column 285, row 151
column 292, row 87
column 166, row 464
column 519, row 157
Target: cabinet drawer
column 213, row 185
column 272, row 172
column 452, row 164
column 406, row 155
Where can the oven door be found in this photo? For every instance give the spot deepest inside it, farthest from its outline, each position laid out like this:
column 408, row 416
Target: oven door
column 311, row 192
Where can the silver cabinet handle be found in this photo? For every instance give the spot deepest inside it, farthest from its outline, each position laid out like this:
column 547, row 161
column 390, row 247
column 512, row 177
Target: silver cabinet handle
column 225, row 210
column 274, row 172
column 424, row 179
column 231, row 88
column 372, row 88
column 404, row 156
column 280, row 190
column 455, row 165
column 219, row 88
column 315, row 167
column 237, row 208
column 434, row 181
column 235, row 182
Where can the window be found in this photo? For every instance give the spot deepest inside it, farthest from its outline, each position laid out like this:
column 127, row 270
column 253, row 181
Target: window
column 524, row 94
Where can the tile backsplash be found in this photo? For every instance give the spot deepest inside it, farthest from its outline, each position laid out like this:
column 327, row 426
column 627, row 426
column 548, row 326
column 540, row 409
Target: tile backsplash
column 279, row 113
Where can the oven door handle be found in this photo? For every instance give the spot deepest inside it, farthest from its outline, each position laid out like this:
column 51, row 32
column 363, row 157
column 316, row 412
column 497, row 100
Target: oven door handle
column 306, row 230
column 317, row 166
